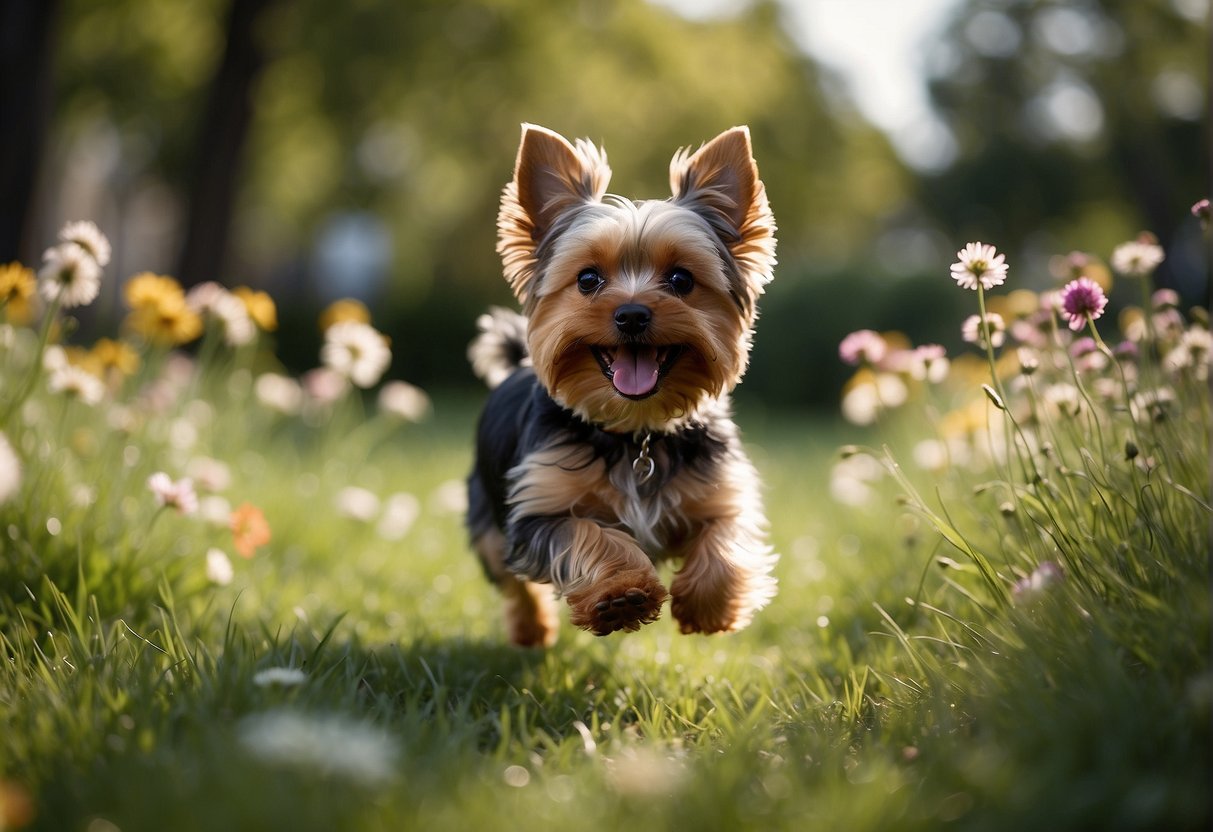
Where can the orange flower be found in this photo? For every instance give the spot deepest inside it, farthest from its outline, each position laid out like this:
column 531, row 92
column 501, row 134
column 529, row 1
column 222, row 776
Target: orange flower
column 249, row 529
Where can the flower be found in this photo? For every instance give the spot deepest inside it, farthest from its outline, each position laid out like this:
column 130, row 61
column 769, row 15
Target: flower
column 404, row 401
column 1192, row 352
column 332, row 745
column 285, row 676
column 357, row 351
column 76, row 382
column 179, row 495
column 340, row 311
column 928, row 362
column 1029, row 363
column 16, row 290
column 86, row 235
column 357, row 503
column 863, row 346
column 249, row 529
column 867, row 394
column 399, row 512
column 10, row 471
column 260, row 307
column 1034, row 585
column 852, row 479
column 218, row 567
column 1200, row 210
column 973, row 332
column 159, row 311
column 210, row 474
column 278, row 393
column 149, row 290
column 70, row 275
column 978, row 264
column 211, row 299
column 1137, row 258
column 1081, row 299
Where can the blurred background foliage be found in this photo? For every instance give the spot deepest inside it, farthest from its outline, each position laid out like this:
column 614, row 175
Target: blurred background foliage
column 319, row 150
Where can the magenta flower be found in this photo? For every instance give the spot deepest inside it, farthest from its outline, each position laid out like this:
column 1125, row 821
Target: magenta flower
column 1082, row 298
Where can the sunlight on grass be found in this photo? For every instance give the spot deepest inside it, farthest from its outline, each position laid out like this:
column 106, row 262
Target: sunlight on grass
column 235, row 599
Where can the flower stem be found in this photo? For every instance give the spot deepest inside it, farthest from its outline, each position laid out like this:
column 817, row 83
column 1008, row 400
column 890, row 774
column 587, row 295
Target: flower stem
column 27, row 386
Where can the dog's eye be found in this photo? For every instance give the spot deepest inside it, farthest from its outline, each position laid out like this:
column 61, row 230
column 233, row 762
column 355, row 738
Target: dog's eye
column 589, row 281
column 680, row 281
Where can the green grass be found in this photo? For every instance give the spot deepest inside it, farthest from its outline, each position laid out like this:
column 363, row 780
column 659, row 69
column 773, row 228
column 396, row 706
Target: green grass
column 902, row 679
column 128, row 686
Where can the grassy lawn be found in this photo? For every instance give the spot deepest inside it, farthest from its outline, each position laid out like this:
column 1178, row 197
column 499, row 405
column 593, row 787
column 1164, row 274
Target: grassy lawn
column 920, row 667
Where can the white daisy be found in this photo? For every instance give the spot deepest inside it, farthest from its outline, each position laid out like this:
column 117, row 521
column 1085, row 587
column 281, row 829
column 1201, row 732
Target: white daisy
column 357, row 503
column 1137, row 258
column 218, row 567
column 285, row 676
column 972, row 331
column 404, row 401
column 69, row 274
column 279, row 393
column 10, row 470
column 356, row 351
column 979, row 264
column 88, row 236
column 214, row 301
column 330, row 744
column 75, row 382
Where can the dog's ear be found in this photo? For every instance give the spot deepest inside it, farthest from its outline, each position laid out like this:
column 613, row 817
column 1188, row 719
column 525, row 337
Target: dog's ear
column 719, row 181
column 551, row 176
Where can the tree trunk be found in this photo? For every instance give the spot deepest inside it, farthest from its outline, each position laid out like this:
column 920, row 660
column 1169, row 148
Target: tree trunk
column 221, row 140
column 26, row 44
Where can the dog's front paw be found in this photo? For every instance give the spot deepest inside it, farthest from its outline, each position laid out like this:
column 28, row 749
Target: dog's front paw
column 623, row 601
column 696, row 616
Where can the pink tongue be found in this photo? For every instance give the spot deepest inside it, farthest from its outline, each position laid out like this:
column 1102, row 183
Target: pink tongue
column 635, row 370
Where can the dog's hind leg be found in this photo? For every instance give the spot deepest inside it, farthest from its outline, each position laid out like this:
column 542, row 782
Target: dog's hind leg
column 531, row 617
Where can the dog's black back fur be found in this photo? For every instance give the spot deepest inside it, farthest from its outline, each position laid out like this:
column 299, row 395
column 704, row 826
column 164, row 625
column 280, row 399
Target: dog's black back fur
column 521, row 418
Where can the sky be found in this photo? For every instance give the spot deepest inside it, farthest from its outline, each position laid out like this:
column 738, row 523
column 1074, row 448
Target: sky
column 877, row 47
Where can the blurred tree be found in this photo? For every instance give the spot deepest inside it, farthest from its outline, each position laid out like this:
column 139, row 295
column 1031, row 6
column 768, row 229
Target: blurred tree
column 25, row 106
column 374, row 120
column 1088, row 118
column 219, row 149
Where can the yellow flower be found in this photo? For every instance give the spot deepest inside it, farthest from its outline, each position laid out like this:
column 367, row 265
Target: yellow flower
column 82, row 358
column 146, row 290
column 346, row 309
column 115, row 355
column 17, row 284
column 169, row 322
column 260, row 307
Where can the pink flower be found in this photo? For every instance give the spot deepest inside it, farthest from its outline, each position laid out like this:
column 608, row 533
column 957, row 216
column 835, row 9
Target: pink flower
column 179, row 495
column 1033, row 586
column 862, row 347
column 978, row 264
column 1201, row 211
column 1082, row 298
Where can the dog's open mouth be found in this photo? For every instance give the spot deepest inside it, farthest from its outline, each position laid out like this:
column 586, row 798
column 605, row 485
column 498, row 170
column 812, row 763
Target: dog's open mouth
column 635, row 370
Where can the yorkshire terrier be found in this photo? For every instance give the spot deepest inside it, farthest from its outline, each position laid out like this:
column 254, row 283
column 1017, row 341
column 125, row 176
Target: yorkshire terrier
column 606, row 446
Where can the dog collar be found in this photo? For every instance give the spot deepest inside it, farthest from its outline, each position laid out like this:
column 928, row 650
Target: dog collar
column 643, row 465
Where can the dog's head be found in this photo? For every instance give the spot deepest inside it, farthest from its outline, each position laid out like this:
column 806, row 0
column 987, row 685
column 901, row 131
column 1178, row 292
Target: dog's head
column 638, row 312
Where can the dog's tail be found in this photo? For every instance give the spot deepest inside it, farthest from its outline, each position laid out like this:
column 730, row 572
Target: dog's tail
column 500, row 348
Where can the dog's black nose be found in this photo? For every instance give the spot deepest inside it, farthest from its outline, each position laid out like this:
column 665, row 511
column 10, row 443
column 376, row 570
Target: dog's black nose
column 632, row 318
